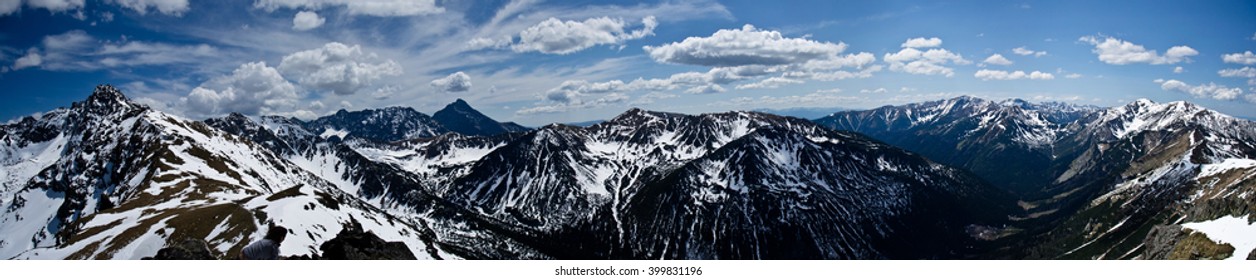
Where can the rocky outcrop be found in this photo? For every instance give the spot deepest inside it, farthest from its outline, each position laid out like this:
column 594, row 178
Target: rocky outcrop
column 1161, row 241
column 189, row 249
column 353, row 243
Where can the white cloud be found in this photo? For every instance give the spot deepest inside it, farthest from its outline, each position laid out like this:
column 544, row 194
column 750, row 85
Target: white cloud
column 1116, row 51
column 73, row 40
column 380, row 8
column 611, row 98
column 31, row 59
column 251, row 89
column 832, row 90
column 650, row 98
column 168, row 7
column 773, row 82
column 1179, row 70
column 818, row 99
column 1245, row 72
column 488, row 43
column 997, row 59
column 922, row 43
column 1025, row 51
column 136, row 53
column 338, row 68
column 745, row 46
column 928, row 62
column 1245, row 58
column 306, row 20
column 906, row 89
column 554, row 36
column 1073, row 76
column 1210, row 90
column 9, row 6
column 878, row 90
column 705, row 89
column 75, row 50
column 456, row 82
column 54, row 5
column 866, row 72
column 986, row 75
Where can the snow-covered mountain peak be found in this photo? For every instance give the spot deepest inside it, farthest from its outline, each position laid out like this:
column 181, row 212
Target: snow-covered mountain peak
column 106, row 99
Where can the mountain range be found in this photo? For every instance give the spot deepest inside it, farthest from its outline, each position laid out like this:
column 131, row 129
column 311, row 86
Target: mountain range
column 109, row 178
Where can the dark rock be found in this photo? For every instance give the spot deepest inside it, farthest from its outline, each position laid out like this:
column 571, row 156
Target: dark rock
column 353, row 243
column 189, row 249
column 1161, row 241
column 1252, row 255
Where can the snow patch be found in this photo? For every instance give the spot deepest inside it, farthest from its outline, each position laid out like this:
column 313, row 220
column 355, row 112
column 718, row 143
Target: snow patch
column 329, row 132
column 1208, row 170
column 1232, row 230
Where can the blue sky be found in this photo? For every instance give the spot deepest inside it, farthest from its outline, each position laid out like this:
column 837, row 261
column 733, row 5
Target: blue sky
column 537, row 62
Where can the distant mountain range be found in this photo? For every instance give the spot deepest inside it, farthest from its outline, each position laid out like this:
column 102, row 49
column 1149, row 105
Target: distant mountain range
column 108, row 178
column 1094, row 182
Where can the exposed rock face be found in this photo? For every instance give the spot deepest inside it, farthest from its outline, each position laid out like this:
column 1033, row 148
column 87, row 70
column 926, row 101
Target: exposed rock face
column 189, row 249
column 353, row 243
column 1161, row 241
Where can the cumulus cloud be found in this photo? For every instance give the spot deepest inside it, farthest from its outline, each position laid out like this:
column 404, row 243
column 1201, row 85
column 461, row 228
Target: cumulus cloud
column 765, row 58
column 1245, row 72
column 251, row 89
column 456, row 82
column 1245, row 58
column 927, row 62
column 306, row 20
column 997, row 59
column 1027, row 52
column 773, row 82
column 922, row 43
column 1073, row 76
column 745, row 46
column 1179, row 70
column 338, row 68
column 554, row 36
column 1115, row 51
column 31, row 59
column 167, row 7
column 986, row 75
column 1210, row 90
column 379, row 8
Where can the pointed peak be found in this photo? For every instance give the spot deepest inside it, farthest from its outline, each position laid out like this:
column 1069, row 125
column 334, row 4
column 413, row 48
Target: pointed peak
column 458, row 105
column 106, row 98
column 1140, row 103
column 237, row 116
column 106, row 93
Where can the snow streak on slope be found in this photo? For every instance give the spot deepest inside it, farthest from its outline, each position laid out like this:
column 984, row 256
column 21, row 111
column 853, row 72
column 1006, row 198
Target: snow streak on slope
column 129, row 180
